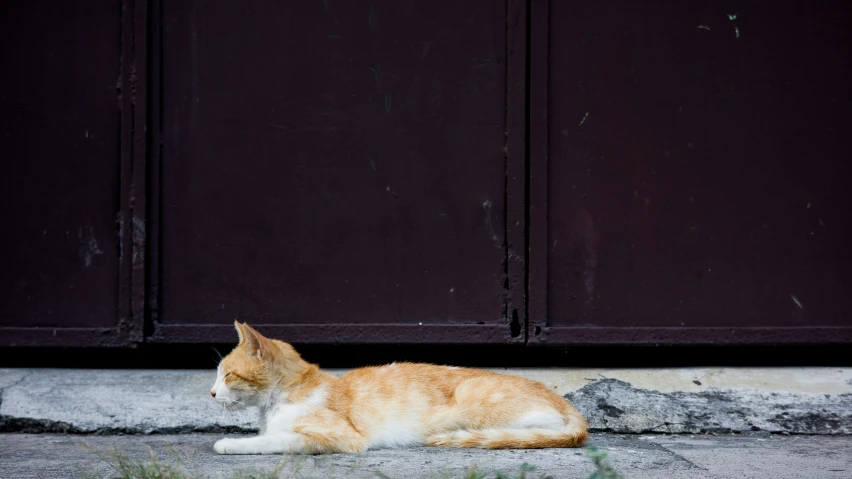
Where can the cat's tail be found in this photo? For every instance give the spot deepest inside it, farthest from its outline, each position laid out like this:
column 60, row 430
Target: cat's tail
column 573, row 434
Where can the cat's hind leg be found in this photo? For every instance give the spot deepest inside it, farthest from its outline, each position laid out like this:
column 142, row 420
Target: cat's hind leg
column 509, row 412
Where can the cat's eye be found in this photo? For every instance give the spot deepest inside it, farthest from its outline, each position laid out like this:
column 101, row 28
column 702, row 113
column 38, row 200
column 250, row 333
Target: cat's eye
column 227, row 374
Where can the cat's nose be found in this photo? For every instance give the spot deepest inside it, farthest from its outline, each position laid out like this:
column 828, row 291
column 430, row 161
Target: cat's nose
column 213, row 393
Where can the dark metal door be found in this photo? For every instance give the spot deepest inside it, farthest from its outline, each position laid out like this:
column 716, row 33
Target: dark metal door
column 628, row 172
column 694, row 169
column 334, row 171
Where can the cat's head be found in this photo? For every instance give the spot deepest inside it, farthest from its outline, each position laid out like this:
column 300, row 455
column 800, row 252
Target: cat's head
column 247, row 374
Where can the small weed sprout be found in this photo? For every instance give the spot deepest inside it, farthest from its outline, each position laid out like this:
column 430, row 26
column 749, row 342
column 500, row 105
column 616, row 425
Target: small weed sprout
column 602, row 468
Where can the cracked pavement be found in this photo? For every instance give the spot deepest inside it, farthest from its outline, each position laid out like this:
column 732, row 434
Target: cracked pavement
column 783, row 401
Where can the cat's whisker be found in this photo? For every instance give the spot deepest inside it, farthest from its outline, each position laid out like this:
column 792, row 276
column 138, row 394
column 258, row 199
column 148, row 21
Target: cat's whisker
column 217, row 354
column 230, row 406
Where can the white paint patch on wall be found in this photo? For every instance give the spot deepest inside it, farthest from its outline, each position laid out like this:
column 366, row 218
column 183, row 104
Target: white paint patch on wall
column 89, row 247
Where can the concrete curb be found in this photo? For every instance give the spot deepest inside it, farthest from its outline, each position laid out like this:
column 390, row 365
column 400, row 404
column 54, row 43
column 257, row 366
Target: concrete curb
column 616, row 406
column 778, row 400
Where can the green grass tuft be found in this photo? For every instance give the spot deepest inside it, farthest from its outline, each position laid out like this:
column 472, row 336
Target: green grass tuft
column 126, row 468
column 602, row 468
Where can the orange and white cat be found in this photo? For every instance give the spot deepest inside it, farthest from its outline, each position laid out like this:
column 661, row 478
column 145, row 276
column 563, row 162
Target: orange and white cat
column 305, row 410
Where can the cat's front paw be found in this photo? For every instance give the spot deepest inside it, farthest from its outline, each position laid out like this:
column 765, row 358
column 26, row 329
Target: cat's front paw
column 224, row 446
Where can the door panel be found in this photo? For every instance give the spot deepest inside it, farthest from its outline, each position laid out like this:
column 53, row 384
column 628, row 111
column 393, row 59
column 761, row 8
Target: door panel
column 60, row 149
column 333, row 164
column 697, row 170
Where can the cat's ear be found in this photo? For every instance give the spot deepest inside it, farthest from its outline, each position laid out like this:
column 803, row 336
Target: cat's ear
column 255, row 342
column 240, row 332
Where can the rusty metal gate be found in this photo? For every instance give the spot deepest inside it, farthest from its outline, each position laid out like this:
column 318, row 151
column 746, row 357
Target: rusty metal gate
column 437, row 172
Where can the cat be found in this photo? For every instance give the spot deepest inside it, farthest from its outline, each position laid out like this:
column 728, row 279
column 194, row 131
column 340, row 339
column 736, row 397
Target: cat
column 305, row 410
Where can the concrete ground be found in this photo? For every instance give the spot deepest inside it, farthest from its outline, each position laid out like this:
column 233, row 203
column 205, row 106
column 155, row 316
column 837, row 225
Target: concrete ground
column 696, row 422
column 754, row 455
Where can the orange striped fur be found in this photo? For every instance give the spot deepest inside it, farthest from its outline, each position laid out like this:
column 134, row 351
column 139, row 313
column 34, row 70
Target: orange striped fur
column 306, row 410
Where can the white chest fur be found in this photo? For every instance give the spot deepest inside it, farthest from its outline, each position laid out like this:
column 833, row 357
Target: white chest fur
column 281, row 415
